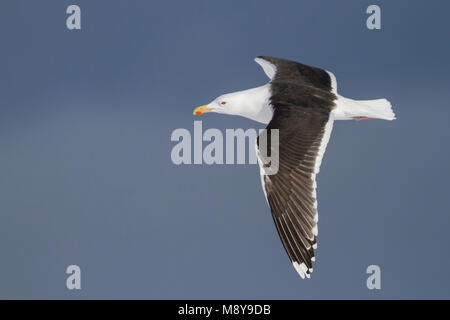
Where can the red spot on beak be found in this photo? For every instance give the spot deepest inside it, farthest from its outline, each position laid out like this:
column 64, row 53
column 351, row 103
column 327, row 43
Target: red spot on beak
column 198, row 112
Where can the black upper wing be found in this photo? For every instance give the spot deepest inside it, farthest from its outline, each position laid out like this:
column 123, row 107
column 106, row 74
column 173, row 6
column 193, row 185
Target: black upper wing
column 302, row 117
column 283, row 70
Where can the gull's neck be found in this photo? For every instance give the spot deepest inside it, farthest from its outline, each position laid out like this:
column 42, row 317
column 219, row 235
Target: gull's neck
column 253, row 104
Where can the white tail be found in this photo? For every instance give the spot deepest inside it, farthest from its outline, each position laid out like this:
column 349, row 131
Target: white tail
column 348, row 109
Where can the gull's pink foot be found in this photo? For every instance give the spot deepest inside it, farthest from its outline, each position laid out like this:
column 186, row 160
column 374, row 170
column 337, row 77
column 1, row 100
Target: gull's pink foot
column 362, row 118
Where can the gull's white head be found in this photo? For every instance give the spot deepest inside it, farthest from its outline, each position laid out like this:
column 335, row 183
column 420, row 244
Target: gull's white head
column 229, row 103
column 251, row 103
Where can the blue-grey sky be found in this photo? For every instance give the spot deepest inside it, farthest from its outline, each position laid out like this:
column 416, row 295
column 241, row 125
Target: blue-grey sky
column 86, row 176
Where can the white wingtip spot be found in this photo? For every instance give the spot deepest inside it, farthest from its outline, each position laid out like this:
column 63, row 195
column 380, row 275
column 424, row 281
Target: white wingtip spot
column 301, row 269
column 313, row 259
column 315, row 230
column 315, row 246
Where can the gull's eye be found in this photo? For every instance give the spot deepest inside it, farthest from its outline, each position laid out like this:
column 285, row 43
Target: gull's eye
column 223, row 102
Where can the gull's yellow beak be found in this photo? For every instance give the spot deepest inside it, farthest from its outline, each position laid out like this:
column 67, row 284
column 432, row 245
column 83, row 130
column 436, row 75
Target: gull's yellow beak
column 202, row 109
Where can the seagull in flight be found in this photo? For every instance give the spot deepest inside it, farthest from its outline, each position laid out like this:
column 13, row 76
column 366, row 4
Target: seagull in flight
column 302, row 103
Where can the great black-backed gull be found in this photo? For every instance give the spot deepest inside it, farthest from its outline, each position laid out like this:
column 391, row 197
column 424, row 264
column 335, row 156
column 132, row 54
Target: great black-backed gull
column 302, row 103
